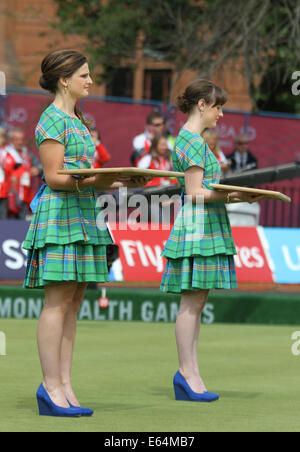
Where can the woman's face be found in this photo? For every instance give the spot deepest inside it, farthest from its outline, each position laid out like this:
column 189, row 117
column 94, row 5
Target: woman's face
column 162, row 146
column 78, row 85
column 210, row 114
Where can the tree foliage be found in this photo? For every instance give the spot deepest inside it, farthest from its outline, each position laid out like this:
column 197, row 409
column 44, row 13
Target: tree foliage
column 199, row 35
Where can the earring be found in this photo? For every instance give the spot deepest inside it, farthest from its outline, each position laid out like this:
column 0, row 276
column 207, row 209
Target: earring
column 66, row 89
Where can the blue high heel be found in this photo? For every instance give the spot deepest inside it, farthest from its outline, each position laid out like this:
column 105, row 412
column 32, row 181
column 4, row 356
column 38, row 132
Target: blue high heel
column 184, row 392
column 48, row 408
column 86, row 412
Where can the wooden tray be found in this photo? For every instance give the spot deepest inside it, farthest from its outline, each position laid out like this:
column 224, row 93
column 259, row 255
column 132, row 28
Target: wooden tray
column 134, row 172
column 122, row 172
column 253, row 191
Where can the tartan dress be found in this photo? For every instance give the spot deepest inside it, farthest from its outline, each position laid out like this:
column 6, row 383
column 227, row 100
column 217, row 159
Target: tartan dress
column 67, row 237
column 200, row 257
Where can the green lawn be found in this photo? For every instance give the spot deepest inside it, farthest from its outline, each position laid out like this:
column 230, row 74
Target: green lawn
column 124, row 372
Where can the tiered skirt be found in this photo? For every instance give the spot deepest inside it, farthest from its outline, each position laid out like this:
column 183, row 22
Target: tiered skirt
column 67, row 240
column 72, row 262
column 199, row 272
column 200, row 250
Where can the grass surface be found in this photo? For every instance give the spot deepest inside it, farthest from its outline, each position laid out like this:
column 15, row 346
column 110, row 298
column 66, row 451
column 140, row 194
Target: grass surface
column 124, row 372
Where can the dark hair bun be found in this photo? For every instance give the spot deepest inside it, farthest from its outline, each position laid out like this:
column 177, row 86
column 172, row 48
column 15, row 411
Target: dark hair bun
column 182, row 103
column 43, row 83
column 47, row 84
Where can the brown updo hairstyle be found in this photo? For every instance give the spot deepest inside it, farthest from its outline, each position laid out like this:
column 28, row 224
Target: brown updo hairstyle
column 200, row 89
column 61, row 64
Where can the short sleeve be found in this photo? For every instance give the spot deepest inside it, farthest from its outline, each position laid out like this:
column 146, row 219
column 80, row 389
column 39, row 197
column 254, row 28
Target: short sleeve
column 191, row 153
column 51, row 127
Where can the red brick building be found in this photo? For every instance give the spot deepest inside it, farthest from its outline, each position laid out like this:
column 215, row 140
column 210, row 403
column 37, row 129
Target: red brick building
column 26, row 35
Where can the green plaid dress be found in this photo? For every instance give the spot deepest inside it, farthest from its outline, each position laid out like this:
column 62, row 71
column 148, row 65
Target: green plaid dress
column 200, row 248
column 67, row 237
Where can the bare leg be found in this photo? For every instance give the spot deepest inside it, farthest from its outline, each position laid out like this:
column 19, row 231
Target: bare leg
column 68, row 341
column 187, row 336
column 58, row 298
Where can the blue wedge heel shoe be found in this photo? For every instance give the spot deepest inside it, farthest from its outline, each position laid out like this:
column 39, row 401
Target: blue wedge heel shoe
column 86, row 412
column 48, row 408
column 184, row 392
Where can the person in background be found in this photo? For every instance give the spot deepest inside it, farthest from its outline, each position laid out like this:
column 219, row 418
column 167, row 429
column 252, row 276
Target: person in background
column 101, row 155
column 212, row 140
column 158, row 158
column 7, row 165
column 155, row 125
column 241, row 158
column 17, row 145
column 169, row 127
column 28, row 169
column 20, row 193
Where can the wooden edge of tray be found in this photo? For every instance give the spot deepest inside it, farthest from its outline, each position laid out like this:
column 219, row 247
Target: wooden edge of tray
column 253, row 191
column 125, row 172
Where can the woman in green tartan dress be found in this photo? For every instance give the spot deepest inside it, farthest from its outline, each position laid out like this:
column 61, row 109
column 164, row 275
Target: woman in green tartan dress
column 66, row 249
column 199, row 258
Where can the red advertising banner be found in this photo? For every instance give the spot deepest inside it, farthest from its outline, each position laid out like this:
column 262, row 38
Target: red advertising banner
column 140, row 254
column 251, row 261
column 141, row 260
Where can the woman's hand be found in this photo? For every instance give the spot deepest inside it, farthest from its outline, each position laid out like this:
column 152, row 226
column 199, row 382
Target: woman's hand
column 240, row 196
column 112, row 182
column 138, row 181
column 105, row 181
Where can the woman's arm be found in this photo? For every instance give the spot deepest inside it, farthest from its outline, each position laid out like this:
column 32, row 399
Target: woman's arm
column 52, row 158
column 194, row 182
column 193, row 185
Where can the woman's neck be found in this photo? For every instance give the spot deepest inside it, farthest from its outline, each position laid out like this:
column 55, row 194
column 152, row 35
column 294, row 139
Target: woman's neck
column 66, row 104
column 195, row 124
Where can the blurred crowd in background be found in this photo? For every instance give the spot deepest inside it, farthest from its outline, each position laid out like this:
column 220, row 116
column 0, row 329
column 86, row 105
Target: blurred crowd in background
column 21, row 170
